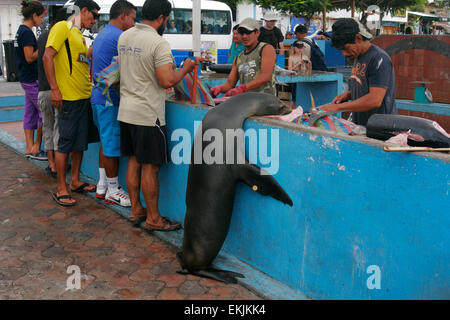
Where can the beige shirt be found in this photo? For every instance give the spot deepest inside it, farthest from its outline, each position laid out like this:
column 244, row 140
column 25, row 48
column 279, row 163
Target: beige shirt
column 142, row 100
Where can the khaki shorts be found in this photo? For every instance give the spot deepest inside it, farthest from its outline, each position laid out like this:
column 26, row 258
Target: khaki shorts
column 50, row 133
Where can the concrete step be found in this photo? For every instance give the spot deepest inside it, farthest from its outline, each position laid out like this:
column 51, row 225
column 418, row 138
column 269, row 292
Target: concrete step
column 11, row 113
column 12, row 100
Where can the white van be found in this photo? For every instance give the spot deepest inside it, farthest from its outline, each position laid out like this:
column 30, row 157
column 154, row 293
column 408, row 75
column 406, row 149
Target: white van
column 216, row 25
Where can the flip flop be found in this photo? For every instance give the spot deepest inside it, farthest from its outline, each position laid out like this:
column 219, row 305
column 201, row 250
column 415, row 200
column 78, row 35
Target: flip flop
column 167, row 225
column 50, row 172
column 58, row 200
column 82, row 189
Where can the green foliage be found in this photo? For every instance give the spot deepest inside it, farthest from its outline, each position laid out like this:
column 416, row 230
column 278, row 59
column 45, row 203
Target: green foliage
column 232, row 3
column 388, row 5
column 296, row 8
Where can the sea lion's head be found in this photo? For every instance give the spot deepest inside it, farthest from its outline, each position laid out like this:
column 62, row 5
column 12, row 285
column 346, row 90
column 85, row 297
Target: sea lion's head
column 261, row 104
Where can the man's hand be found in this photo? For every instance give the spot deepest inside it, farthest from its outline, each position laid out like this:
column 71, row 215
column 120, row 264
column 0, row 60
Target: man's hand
column 235, row 91
column 215, row 91
column 342, row 97
column 188, row 65
column 56, row 98
column 329, row 107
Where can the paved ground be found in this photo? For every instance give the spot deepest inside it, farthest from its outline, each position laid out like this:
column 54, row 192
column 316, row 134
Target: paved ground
column 39, row 240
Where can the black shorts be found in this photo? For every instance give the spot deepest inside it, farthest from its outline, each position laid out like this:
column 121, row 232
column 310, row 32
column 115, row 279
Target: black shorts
column 76, row 127
column 148, row 144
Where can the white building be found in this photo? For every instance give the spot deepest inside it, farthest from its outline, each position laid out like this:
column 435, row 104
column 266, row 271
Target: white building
column 250, row 10
column 10, row 18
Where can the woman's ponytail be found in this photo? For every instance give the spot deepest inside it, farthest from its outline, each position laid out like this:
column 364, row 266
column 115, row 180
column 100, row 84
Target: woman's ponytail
column 29, row 7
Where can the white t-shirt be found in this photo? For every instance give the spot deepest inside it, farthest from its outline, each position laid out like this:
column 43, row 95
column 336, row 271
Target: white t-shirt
column 142, row 100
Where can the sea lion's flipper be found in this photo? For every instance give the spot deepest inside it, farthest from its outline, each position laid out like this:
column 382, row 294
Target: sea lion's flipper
column 219, row 275
column 261, row 181
column 211, row 273
column 215, row 274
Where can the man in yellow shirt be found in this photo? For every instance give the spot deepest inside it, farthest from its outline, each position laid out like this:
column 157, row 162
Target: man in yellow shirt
column 66, row 65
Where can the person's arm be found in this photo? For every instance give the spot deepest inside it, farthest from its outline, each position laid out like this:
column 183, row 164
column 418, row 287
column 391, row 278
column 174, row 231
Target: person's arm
column 168, row 76
column 49, row 67
column 90, row 50
column 30, row 54
column 308, row 63
column 370, row 101
column 268, row 60
column 232, row 79
column 290, row 64
column 280, row 41
column 28, row 42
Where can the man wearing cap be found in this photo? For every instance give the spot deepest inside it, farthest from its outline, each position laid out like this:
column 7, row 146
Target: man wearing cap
column 254, row 67
column 372, row 83
column 270, row 33
column 310, row 48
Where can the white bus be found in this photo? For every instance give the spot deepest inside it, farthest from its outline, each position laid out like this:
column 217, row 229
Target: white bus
column 216, row 25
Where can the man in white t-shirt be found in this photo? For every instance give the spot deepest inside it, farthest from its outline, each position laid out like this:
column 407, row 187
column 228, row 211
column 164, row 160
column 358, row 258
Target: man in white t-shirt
column 146, row 70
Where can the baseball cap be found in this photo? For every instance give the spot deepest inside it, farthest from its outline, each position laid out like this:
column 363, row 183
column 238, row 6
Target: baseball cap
column 350, row 26
column 250, row 24
column 301, row 28
column 270, row 16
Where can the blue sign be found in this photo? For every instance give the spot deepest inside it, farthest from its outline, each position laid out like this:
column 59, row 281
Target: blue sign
column 296, row 21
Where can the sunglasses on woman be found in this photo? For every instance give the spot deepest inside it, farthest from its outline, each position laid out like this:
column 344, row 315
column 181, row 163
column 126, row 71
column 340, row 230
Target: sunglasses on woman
column 245, row 31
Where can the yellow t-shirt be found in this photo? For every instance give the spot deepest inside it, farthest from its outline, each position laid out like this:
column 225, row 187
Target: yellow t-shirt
column 76, row 85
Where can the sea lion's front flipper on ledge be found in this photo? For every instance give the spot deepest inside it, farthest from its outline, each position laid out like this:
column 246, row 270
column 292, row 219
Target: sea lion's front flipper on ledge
column 261, row 181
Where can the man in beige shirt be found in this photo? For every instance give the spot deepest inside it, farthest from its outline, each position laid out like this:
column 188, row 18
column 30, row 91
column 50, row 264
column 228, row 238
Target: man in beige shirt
column 146, row 70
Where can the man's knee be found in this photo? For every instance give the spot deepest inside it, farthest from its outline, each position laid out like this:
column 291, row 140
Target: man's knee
column 151, row 168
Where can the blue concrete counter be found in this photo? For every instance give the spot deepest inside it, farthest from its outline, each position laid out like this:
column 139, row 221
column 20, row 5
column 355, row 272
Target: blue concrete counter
column 356, row 208
column 434, row 108
column 324, row 86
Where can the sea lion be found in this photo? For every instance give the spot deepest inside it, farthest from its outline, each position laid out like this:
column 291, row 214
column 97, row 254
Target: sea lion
column 211, row 187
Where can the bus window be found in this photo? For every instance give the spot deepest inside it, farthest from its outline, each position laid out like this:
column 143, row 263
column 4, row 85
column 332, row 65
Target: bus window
column 213, row 22
column 180, row 21
column 216, row 22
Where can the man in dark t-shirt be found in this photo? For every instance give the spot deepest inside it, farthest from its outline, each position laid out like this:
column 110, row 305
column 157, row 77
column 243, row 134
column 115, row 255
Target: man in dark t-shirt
column 270, row 34
column 372, row 83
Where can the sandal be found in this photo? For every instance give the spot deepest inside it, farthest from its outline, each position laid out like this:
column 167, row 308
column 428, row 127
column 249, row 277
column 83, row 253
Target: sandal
column 166, row 225
column 82, row 188
column 137, row 220
column 61, row 203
